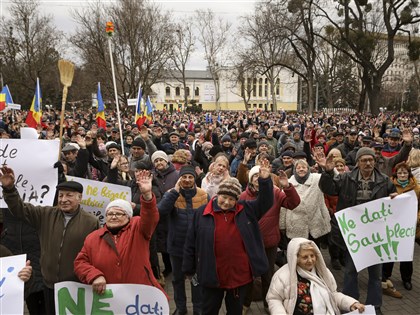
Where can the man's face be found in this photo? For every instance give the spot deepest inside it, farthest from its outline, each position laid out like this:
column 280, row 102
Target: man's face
column 135, row 131
column 287, row 160
column 252, row 150
column 226, row 144
column 366, row 163
column 393, row 142
column 68, row 200
column 113, row 152
column 137, row 152
column 366, row 144
column 191, row 138
column 378, row 153
column 263, row 148
column 187, row 181
column 269, row 134
column 296, row 136
column 114, row 135
column 242, row 141
column 70, row 156
column 352, row 138
column 339, row 138
column 174, row 139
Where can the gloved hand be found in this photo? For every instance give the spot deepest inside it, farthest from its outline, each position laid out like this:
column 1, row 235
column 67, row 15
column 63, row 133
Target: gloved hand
column 58, row 165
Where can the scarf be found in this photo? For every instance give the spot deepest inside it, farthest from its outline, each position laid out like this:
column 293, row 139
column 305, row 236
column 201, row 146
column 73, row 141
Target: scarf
column 299, row 179
column 403, row 183
column 320, row 293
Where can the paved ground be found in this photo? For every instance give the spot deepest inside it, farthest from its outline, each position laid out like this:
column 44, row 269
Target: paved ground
column 409, row 304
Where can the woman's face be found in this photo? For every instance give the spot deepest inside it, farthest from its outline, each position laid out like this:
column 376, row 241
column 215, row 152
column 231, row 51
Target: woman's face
column 301, row 169
column 402, row 174
column 225, row 202
column 116, row 217
column 306, row 259
column 340, row 167
column 220, row 167
column 160, row 164
column 129, row 140
column 123, row 165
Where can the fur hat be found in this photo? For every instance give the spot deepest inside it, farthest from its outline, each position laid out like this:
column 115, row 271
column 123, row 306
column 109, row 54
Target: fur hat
column 230, row 187
column 252, row 172
column 124, row 205
column 180, row 156
column 160, row 155
column 364, row 151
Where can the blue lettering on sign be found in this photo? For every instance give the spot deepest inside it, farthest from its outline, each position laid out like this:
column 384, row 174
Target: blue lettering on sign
column 9, row 270
column 136, row 309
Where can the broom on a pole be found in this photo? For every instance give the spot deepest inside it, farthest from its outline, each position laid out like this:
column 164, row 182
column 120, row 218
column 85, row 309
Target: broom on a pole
column 66, row 69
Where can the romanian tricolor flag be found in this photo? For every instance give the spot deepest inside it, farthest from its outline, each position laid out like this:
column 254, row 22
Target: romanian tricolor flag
column 100, row 114
column 33, row 119
column 139, row 118
column 149, row 110
column 5, row 98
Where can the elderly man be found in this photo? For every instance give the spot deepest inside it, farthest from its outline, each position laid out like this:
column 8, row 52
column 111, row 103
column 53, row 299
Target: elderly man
column 364, row 183
column 61, row 229
column 180, row 203
column 76, row 156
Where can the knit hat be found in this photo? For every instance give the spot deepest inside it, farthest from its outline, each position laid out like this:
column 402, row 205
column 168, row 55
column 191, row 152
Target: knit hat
column 262, row 142
column 226, row 138
column 252, row 172
column 139, row 143
column 187, row 169
column 160, row 155
column 113, row 146
column 124, row 205
column 230, row 187
column 364, row 151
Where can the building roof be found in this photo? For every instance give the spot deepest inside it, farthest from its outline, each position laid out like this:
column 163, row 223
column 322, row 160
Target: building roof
column 190, row 74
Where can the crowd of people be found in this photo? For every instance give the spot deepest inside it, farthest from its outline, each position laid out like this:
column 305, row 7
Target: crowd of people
column 216, row 199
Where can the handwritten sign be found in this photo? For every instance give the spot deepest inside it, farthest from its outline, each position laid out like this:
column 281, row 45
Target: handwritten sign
column 130, row 299
column 33, row 164
column 11, row 287
column 97, row 195
column 380, row 231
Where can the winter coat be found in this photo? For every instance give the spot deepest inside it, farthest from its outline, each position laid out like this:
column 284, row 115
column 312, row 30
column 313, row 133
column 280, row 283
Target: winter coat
column 386, row 164
column 311, row 217
column 199, row 253
column 121, row 258
column 180, row 207
column 59, row 244
column 269, row 227
column 283, row 291
column 345, row 187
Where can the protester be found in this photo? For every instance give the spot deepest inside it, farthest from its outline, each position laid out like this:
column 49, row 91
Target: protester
column 364, row 183
column 218, row 172
column 224, row 245
column 404, row 181
column 119, row 252
column 305, row 285
column 61, row 229
column 285, row 196
column 180, row 203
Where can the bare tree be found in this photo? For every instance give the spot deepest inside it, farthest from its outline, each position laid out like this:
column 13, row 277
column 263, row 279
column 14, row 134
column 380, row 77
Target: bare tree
column 184, row 46
column 242, row 76
column 368, row 28
column 142, row 44
column 213, row 35
column 29, row 50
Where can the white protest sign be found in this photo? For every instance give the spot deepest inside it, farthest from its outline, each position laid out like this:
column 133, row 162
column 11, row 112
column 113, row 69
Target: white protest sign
column 97, row 195
column 33, row 164
column 28, row 133
column 369, row 310
column 11, row 287
column 76, row 298
column 380, row 231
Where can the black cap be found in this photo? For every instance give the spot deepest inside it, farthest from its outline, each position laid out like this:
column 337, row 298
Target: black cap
column 353, row 132
column 299, row 154
column 187, row 169
column 70, row 185
column 139, row 143
column 113, row 146
column 139, row 165
column 287, row 153
column 174, row 133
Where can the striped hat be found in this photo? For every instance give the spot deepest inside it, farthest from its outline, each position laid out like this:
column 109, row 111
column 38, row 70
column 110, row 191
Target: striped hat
column 230, row 187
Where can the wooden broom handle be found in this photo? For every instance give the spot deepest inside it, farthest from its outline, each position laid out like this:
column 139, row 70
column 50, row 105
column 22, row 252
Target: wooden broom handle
column 63, row 108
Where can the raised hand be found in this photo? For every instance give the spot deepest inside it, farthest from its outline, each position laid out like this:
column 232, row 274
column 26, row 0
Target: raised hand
column 144, row 133
column 265, row 169
column 81, row 142
column 115, row 161
column 144, row 181
column 247, row 156
column 283, row 179
column 407, row 136
column 7, row 177
column 326, row 163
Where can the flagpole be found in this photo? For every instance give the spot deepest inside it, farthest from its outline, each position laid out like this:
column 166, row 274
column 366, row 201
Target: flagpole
column 110, row 31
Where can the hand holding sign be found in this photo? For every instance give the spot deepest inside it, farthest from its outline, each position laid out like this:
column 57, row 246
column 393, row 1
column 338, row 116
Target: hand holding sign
column 26, row 272
column 99, row 285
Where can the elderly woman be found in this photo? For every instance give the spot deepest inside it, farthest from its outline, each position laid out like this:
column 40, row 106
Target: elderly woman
column 404, row 181
column 311, row 218
column 306, row 286
column 224, row 245
column 119, row 252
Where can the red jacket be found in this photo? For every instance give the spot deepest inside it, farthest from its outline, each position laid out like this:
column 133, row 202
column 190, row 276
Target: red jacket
column 269, row 223
column 125, row 260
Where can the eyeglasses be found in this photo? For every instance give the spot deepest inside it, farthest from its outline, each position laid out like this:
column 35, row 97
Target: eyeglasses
column 118, row 215
column 364, row 161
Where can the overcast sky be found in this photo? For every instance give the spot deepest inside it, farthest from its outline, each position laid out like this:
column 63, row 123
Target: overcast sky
column 230, row 10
